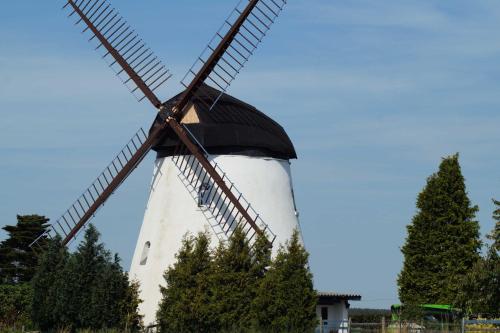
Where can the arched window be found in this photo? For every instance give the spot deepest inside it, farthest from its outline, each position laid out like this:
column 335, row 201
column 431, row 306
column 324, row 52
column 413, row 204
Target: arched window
column 203, row 194
column 145, row 252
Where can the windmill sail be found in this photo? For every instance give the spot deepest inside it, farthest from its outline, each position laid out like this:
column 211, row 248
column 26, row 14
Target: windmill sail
column 83, row 209
column 232, row 45
column 227, row 206
column 217, row 177
column 132, row 60
column 220, row 211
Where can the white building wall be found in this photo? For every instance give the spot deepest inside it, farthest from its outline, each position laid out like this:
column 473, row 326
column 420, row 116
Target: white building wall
column 171, row 212
column 338, row 317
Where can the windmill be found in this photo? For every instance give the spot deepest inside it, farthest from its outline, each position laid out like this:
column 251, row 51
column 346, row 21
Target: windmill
column 207, row 142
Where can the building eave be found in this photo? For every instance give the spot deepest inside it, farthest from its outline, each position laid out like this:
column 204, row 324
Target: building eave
column 328, row 297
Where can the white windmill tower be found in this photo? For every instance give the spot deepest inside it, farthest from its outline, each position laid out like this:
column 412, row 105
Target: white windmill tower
column 210, row 147
column 252, row 149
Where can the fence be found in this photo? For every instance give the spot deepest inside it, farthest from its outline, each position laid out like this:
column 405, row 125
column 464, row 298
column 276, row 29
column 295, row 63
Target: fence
column 336, row 326
column 423, row 326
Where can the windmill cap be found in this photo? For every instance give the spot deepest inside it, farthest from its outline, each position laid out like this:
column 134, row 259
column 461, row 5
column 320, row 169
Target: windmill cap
column 232, row 127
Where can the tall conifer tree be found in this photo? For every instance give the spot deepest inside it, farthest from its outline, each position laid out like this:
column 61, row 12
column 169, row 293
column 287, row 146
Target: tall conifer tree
column 286, row 300
column 443, row 239
column 228, row 290
column 212, row 292
column 17, row 261
column 87, row 289
column 232, row 283
column 47, row 284
column 184, row 305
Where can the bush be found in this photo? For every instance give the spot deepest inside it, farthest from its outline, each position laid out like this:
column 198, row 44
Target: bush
column 15, row 305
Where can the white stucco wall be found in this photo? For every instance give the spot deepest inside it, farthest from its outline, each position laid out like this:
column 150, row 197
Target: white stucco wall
column 337, row 317
column 171, row 212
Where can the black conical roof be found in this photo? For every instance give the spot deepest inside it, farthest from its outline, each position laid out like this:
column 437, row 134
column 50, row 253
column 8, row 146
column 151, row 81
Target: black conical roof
column 232, row 127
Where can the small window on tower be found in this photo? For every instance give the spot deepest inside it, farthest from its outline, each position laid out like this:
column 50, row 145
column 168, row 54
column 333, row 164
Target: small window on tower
column 203, row 194
column 145, row 252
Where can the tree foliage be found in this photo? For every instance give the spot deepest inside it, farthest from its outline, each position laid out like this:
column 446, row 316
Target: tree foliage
column 184, row 303
column 47, row 284
column 132, row 320
column 233, row 282
column 364, row 315
column 495, row 233
column 15, row 305
column 225, row 289
column 480, row 288
column 86, row 289
column 443, row 239
column 286, row 300
column 17, row 260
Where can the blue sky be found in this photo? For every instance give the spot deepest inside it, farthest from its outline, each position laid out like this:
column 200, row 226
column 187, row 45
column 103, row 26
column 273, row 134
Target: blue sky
column 372, row 93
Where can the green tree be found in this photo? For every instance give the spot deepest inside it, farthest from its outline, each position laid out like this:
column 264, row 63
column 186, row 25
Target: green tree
column 209, row 292
column 17, row 260
column 226, row 290
column 365, row 315
column 15, row 305
column 132, row 320
column 98, row 285
column 47, row 284
column 443, row 243
column 232, row 283
column 87, row 289
column 495, row 233
column 261, row 259
column 184, row 304
column 480, row 288
column 286, row 300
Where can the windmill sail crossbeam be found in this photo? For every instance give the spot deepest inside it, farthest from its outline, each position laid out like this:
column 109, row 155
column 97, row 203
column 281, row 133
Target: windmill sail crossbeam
column 222, row 215
column 125, row 52
column 83, row 208
column 239, row 49
column 143, row 73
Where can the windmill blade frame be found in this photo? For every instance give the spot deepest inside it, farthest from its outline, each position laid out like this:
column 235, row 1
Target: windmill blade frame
column 214, row 173
column 130, row 54
column 84, row 207
column 220, row 212
column 226, row 214
column 232, row 45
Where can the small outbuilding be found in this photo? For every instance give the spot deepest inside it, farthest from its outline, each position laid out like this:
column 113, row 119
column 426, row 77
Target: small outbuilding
column 332, row 312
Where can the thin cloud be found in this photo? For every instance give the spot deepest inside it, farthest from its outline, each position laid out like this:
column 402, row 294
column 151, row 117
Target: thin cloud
column 379, row 14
